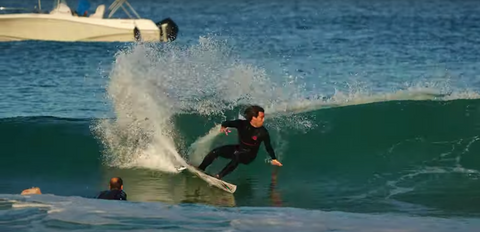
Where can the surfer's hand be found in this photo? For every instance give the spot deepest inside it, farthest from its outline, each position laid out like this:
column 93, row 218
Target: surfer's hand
column 225, row 130
column 276, row 163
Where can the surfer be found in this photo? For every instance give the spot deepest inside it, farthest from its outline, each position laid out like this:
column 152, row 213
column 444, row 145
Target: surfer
column 116, row 190
column 251, row 133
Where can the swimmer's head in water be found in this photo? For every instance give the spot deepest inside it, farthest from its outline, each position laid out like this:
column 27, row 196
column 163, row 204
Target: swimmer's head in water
column 116, row 183
column 255, row 114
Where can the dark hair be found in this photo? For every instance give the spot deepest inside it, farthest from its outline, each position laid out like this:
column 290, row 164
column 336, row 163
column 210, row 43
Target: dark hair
column 252, row 111
column 116, row 183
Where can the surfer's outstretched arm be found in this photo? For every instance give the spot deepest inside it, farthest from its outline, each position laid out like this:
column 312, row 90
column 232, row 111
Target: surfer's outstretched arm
column 268, row 145
column 233, row 123
column 269, row 148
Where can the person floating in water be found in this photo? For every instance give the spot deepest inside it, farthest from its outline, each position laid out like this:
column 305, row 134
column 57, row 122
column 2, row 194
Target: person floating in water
column 251, row 133
column 116, row 190
column 115, row 193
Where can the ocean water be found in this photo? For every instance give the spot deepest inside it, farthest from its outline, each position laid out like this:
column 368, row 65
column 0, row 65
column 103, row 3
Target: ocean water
column 373, row 108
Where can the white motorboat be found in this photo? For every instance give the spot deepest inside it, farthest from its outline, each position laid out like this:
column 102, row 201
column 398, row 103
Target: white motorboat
column 63, row 24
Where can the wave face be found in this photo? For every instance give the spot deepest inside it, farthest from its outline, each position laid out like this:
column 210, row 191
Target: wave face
column 386, row 156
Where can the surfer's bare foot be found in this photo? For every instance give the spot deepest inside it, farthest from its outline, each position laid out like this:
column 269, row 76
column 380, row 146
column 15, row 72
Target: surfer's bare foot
column 217, row 176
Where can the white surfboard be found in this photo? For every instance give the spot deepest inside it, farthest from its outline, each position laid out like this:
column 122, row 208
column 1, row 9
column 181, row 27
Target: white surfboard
column 225, row 186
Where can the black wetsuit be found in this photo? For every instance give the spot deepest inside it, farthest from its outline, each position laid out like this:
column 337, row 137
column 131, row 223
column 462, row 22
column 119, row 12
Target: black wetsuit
column 113, row 194
column 245, row 151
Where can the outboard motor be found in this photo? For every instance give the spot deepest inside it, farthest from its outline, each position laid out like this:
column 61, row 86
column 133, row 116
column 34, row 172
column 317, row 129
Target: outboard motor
column 168, row 30
column 137, row 35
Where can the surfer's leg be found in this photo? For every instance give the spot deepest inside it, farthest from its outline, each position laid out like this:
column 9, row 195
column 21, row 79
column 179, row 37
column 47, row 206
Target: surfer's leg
column 238, row 157
column 229, row 168
column 226, row 151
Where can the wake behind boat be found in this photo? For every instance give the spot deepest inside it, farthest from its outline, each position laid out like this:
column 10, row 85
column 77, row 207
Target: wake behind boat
column 63, row 24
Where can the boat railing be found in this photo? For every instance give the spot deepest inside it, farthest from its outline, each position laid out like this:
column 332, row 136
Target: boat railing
column 117, row 4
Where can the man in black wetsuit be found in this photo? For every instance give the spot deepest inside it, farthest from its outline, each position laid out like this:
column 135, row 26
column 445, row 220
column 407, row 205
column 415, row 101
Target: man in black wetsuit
column 251, row 134
column 116, row 190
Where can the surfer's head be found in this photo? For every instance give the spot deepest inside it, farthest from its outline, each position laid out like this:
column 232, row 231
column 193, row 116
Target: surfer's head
column 116, row 183
column 255, row 115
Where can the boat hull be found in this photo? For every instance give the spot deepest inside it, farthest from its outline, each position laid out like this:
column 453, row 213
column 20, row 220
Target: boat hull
column 16, row 27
